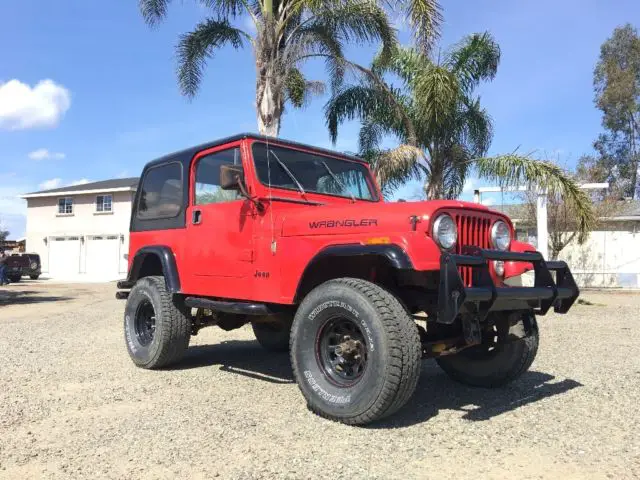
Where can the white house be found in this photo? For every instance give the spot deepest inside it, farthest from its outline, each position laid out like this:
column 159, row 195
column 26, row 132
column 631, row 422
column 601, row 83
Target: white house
column 81, row 232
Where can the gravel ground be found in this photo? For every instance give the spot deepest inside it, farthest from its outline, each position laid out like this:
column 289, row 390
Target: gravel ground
column 72, row 405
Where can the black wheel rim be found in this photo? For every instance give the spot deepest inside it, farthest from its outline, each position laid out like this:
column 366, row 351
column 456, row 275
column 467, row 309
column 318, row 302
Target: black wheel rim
column 145, row 323
column 489, row 348
column 341, row 351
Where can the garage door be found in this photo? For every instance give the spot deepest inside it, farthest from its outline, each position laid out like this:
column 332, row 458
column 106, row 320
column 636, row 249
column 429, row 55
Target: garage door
column 103, row 256
column 64, row 257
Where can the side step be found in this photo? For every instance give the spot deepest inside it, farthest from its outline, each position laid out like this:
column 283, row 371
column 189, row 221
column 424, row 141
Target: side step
column 239, row 308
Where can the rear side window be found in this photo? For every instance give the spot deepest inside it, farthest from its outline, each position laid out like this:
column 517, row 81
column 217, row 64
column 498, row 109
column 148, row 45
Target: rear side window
column 161, row 192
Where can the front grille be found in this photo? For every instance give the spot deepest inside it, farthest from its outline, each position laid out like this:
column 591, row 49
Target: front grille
column 473, row 230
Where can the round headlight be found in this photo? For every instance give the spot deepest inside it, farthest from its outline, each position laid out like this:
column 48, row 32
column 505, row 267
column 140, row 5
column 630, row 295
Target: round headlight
column 445, row 231
column 500, row 235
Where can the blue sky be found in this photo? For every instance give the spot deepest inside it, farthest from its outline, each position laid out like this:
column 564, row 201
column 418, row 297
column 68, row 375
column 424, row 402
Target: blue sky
column 111, row 102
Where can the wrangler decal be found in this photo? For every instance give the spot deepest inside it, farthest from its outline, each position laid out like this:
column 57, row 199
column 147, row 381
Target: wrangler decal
column 348, row 222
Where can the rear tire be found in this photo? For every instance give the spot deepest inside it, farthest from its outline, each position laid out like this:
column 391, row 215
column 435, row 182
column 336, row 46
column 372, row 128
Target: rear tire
column 34, row 277
column 157, row 326
column 478, row 367
column 273, row 337
column 355, row 351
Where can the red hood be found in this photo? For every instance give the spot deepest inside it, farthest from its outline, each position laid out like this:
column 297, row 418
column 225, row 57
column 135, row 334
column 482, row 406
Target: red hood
column 366, row 217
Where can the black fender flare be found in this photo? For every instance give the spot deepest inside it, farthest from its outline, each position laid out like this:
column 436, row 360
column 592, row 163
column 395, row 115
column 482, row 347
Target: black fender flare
column 394, row 254
column 167, row 261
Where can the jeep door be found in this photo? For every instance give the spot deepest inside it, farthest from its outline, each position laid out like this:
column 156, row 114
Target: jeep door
column 219, row 251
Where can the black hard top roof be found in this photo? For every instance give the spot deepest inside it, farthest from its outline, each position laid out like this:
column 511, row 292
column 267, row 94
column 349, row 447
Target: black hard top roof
column 187, row 154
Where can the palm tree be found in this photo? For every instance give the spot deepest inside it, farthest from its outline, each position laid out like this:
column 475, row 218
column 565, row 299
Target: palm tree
column 443, row 131
column 287, row 33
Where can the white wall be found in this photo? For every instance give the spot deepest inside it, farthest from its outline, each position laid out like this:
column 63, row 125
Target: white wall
column 608, row 258
column 43, row 222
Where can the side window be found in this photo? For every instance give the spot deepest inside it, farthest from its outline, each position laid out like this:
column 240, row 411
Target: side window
column 207, row 187
column 161, row 195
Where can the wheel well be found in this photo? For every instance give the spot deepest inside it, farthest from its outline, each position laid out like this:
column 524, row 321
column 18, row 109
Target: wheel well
column 151, row 265
column 375, row 268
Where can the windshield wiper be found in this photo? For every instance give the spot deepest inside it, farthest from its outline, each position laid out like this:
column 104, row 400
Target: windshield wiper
column 288, row 172
column 338, row 181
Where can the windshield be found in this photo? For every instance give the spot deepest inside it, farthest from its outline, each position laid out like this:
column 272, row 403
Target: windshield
column 310, row 172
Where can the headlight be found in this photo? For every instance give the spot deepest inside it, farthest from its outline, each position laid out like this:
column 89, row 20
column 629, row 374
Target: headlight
column 445, row 231
column 500, row 235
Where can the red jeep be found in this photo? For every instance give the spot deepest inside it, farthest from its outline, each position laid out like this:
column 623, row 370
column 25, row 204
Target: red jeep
column 299, row 242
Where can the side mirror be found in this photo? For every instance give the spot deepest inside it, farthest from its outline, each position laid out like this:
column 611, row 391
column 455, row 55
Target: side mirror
column 231, row 177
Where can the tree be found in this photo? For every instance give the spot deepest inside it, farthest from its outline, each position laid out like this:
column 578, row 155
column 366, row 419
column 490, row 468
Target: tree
column 616, row 83
column 562, row 216
column 443, row 131
column 287, row 33
column 4, row 233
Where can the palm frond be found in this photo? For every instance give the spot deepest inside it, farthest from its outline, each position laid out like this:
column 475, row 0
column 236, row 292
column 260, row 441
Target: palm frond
column 512, row 170
column 396, row 166
column 196, row 47
column 370, row 135
column 318, row 38
column 425, row 18
column 359, row 22
column 227, row 8
column 437, row 93
column 476, row 128
column 153, row 11
column 407, row 63
column 475, row 58
column 299, row 90
column 356, row 101
column 456, row 168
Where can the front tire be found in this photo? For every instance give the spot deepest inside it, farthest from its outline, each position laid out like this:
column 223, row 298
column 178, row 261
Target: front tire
column 157, row 326
column 480, row 367
column 14, row 278
column 355, row 351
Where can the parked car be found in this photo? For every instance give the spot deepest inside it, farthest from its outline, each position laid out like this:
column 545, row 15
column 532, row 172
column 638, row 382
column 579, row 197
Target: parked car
column 299, row 242
column 34, row 270
column 16, row 266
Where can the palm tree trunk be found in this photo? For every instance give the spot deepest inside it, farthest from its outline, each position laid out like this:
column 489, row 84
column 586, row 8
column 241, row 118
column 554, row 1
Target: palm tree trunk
column 269, row 80
column 433, row 186
column 268, row 106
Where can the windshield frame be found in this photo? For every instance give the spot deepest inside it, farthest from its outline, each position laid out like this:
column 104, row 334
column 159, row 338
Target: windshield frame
column 371, row 185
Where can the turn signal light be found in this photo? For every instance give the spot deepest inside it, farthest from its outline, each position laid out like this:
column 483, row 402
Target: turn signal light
column 377, row 241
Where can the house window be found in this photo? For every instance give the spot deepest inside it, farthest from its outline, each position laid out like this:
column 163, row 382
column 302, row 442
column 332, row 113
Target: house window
column 103, row 203
column 65, row 206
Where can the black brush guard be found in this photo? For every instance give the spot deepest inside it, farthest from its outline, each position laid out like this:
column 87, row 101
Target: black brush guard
column 484, row 296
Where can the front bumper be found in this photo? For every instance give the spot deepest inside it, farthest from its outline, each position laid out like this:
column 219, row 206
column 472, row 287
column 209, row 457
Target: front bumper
column 454, row 298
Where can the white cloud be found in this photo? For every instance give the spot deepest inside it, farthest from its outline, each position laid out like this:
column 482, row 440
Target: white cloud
column 49, row 184
column 82, row 181
column 488, row 201
column 23, row 106
column 44, row 154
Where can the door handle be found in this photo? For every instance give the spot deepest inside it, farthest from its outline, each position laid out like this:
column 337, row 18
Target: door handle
column 196, row 217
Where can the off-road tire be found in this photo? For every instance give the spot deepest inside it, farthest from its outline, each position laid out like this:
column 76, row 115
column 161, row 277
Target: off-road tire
column 34, row 277
column 392, row 345
column 273, row 337
column 14, row 278
column 503, row 366
column 172, row 325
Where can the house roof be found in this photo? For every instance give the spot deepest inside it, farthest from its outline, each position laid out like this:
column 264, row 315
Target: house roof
column 113, row 185
column 628, row 210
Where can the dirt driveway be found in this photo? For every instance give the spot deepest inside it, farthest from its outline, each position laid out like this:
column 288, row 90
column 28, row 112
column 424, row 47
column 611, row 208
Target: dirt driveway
column 72, row 405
